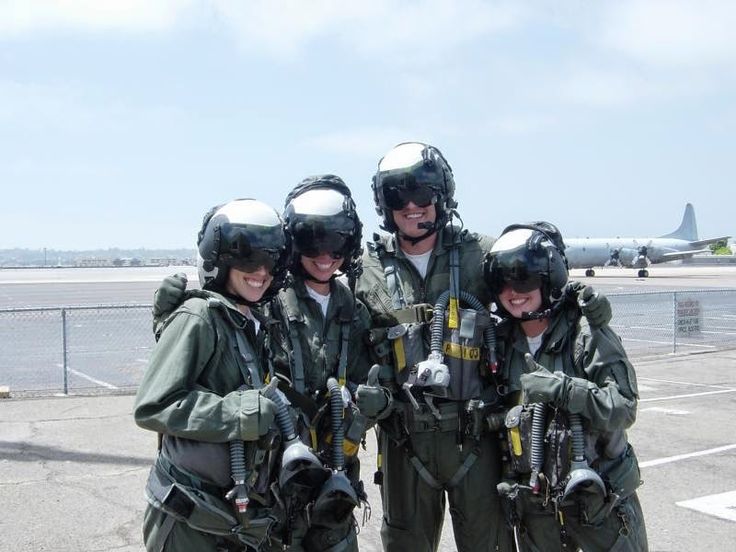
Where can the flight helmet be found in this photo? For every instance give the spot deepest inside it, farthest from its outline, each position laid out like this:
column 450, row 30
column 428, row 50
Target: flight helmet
column 528, row 257
column 418, row 172
column 243, row 234
column 320, row 217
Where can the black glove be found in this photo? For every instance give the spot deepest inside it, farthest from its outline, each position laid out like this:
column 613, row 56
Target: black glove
column 371, row 399
column 595, row 306
column 169, row 295
column 566, row 392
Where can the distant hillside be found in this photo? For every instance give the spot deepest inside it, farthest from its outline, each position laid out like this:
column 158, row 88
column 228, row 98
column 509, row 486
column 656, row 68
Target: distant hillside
column 95, row 257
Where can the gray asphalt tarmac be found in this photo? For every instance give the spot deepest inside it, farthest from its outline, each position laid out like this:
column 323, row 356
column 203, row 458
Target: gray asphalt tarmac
column 72, row 469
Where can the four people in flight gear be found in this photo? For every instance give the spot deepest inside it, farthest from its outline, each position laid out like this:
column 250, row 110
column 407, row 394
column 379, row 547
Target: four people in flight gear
column 444, row 388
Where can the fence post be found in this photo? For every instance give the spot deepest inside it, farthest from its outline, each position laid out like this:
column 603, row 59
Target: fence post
column 674, row 321
column 64, row 351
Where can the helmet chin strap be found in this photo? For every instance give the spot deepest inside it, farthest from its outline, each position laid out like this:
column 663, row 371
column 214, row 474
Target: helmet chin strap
column 538, row 315
column 431, row 228
column 302, row 272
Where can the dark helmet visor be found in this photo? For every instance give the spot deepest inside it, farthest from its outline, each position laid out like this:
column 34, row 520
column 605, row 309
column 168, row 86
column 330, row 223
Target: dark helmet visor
column 256, row 259
column 248, row 247
column 397, row 193
column 524, row 286
column 313, row 240
column 515, row 269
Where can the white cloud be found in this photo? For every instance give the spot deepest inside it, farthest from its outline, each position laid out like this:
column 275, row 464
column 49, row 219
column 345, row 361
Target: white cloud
column 432, row 26
column 393, row 29
column 672, row 33
column 18, row 17
column 74, row 110
column 363, row 142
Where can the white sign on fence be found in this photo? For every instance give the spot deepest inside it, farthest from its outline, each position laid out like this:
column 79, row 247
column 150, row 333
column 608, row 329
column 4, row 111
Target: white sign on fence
column 688, row 316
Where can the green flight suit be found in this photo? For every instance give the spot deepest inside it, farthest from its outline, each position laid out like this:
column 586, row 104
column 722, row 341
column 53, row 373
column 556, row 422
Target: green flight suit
column 199, row 393
column 605, row 397
column 320, row 344
column 413, row 508
column 320, row 337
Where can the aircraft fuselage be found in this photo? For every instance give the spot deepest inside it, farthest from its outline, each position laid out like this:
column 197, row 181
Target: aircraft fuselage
column 594, row 252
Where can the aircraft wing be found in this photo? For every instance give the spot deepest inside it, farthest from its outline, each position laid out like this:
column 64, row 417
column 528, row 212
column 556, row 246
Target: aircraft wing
column 677, row 255
column 701, row 243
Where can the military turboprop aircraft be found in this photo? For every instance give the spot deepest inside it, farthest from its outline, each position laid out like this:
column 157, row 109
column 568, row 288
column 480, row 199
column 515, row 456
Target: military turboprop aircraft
column 638, row 252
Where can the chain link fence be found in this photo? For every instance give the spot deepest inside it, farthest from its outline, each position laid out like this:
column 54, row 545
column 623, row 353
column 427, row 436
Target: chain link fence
column 656, row 323
column 74, row 349
column 105, row 348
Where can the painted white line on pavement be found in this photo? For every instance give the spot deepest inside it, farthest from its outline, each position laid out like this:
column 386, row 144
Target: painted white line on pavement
column 719, row 505
column 690, row 383
column 668, row 343
column 665, row 410
column 687, row 396
column 93, row 380
column 668, row 459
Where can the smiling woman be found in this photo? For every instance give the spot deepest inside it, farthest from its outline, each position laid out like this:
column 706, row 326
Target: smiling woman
column 202, row 392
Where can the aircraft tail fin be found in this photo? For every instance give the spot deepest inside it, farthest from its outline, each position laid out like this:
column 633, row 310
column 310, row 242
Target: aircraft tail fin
column 688, row 229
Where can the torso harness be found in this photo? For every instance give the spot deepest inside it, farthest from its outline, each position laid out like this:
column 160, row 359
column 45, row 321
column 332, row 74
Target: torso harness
column 312, row 413
column 452, row 369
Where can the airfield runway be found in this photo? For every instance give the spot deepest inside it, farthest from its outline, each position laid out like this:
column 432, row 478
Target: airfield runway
column 72, row 469
column 103, row 286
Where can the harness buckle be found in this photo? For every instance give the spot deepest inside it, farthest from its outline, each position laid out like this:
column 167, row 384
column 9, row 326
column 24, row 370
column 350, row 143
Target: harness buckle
column 416, row 314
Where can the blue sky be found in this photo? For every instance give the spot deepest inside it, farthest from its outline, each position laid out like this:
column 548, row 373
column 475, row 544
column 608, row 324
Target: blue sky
column 121, row 122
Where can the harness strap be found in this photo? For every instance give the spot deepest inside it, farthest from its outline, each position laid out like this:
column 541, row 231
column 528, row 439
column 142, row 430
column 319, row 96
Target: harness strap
column 454, row 303
column 250, row 370
column 391, row 272
column 162, row 534
column 342, row 367
column 290, row 303
column 297, row 365
column 463, row 470
column 429, row 479
column 424, row 473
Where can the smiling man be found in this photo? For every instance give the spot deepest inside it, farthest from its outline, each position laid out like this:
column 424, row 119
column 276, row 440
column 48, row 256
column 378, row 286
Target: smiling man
column 429, row 453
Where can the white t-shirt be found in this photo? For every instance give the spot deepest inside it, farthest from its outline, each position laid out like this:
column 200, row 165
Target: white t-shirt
column 256, row 322
column 322, row 300
column 534, row 343
column 421, row 262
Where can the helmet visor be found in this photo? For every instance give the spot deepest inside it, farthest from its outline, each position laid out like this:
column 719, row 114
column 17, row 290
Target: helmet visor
column 397, row 193
column 313, row 240
column 513, row 270
column 248, row 247
column 256, row 259
column 523, row 286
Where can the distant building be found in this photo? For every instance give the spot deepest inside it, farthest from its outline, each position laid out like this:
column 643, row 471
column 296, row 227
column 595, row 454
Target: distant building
column 92, row 262
column 164, row 261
